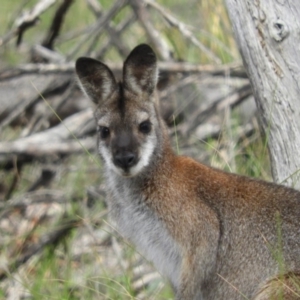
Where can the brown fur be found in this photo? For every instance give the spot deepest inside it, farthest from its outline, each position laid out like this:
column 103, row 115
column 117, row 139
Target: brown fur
column 215, row 235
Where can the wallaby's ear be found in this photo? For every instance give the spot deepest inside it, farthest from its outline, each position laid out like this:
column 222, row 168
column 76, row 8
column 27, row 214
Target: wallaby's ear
column 140, row 72
column 95, row 78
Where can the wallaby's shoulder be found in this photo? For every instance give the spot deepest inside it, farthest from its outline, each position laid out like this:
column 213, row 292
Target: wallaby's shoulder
column 220, row 189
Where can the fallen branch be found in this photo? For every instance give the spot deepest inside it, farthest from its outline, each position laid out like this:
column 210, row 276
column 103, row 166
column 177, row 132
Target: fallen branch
column 20, row 93
column 61, row 139
column 51, row 148
column 233, row 70
column 231, row 100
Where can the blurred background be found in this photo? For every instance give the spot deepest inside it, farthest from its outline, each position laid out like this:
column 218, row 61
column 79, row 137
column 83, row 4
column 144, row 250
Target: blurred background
column 56, row 240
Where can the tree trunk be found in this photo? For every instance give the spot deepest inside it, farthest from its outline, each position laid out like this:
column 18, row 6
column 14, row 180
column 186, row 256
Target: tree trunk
column 268, row 35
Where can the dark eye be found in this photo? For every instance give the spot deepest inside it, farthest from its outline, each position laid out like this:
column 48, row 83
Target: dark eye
column 104, row 132
column 145, row 127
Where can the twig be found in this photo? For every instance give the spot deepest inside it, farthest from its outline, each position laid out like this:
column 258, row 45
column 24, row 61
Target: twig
column 98, row 26
column 154, row 36
column 95, row 7
column 54, row 141
column 118, row 31
column 42, row 54
column 52, row 238
column 183, row 30
column 29, row 198
column 44, row 180
column 43, row 116
column 72, row 34
column 15, row 180
column 233, row 99
column 16, row 13
column 144, row 281
column 27, row 20
column 56, row 24
column 114, row 36
column 51, row 84
column 182, row 83
column 67, row 67
column 8, row 149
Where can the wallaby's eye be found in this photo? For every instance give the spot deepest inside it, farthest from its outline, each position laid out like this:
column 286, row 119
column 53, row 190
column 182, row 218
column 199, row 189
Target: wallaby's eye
column 145, row 127
column 104, row 132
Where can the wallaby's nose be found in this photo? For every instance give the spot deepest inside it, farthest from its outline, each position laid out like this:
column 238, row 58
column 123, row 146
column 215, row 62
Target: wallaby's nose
column 125, row 160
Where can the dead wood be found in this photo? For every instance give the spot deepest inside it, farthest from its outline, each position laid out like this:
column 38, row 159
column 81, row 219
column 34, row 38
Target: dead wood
column 28, row 249
column 44, row 180
column 232, row 70
column 35, row 209
column 57, row 23
column 114, row 35
column 14, row 183
column 63, row 139
column 97, row 28
column 154, row 36
column 172, row 21
column 19, row 93
column 231, row 100
column 116, row 39
column 40, row 53
column 51, row 148
column 26, row 20
column 30, row 198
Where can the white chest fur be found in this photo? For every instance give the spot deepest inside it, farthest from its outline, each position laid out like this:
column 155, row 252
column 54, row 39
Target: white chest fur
column 141, row 226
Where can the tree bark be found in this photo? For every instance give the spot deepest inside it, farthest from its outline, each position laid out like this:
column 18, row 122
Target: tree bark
column 268, row 35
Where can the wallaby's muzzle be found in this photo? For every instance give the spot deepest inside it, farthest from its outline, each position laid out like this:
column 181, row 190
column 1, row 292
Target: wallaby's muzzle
column 124, row 151
column 125, row 159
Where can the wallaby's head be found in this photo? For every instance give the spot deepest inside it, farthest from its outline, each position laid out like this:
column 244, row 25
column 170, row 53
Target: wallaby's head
column 129, row 126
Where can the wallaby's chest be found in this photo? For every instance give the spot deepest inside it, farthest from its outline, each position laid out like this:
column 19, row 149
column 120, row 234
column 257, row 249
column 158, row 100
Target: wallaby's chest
column 138, row 223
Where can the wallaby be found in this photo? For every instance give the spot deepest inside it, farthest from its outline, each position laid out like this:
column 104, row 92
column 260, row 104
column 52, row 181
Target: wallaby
column 213, row 234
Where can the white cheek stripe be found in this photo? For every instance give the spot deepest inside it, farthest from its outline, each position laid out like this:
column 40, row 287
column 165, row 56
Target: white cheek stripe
column 107, row 156
column 146, row 152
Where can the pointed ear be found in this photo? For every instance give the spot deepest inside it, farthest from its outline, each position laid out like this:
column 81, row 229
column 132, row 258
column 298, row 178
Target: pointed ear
column 95, row 79
column 140, row 72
